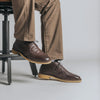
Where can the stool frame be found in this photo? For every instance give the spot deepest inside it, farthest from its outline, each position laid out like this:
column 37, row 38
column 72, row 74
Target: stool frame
column 6, row 56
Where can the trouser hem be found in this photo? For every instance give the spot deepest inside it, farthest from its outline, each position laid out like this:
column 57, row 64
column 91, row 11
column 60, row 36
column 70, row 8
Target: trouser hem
column 26, row 37
column 56, row 57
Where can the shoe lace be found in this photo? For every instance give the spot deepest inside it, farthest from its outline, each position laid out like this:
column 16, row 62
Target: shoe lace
column 35, row 47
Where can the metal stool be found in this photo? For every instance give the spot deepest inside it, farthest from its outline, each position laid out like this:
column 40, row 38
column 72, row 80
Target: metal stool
column 6, row 56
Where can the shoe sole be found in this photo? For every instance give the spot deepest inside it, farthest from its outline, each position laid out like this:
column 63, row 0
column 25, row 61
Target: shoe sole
column 48, row 77
column 16, row 52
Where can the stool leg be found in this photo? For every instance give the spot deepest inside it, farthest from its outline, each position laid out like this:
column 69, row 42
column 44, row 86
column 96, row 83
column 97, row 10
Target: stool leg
column 5, row 39
column 33, row 69
column 5, row 44
column 3, row 66
column 9, row 70
column 5, row 35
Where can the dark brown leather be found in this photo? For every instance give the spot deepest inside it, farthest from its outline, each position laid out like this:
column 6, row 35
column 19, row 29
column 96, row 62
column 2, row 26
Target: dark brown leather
column 31, row 51
column 57, row 70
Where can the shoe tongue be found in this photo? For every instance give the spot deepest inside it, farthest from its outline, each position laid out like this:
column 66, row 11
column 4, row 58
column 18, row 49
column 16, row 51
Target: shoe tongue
column 57, row 63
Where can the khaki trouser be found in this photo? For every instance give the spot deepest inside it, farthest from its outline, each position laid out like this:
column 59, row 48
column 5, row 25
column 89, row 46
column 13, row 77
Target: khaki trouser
column 51, row 26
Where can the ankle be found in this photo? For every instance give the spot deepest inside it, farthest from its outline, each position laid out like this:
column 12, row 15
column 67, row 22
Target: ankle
column 28, row 41
column 56, row 60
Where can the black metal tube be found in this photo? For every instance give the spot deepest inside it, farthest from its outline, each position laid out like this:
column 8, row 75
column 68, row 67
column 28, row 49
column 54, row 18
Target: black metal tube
column 5, row 35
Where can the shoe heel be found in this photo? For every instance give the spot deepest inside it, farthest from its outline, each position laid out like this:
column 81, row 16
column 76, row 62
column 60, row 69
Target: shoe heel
column 15, row 52
column 33, row 69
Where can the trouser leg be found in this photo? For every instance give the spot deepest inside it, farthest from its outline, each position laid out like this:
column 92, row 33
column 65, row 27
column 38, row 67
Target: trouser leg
column 51, row 27
column 24, row 19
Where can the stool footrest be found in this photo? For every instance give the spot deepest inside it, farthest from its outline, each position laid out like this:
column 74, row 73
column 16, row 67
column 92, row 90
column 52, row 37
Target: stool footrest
column 2, row 51
column 12, row 56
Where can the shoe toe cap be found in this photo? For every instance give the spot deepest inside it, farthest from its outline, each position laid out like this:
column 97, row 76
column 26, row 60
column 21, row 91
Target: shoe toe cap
column 77, row 78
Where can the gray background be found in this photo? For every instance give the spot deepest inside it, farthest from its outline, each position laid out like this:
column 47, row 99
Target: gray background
column 80, row 21
column 81, row 42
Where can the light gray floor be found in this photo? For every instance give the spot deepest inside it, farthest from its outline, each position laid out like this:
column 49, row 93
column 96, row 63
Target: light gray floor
column 81, row 28
column 26, row 87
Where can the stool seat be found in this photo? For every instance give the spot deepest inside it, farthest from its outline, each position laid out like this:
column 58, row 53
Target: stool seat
column 6, row 5
column 5, row 2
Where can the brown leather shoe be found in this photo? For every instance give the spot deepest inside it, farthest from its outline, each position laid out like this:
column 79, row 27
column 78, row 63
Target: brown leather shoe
column 31, row 52
column 56, row 71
